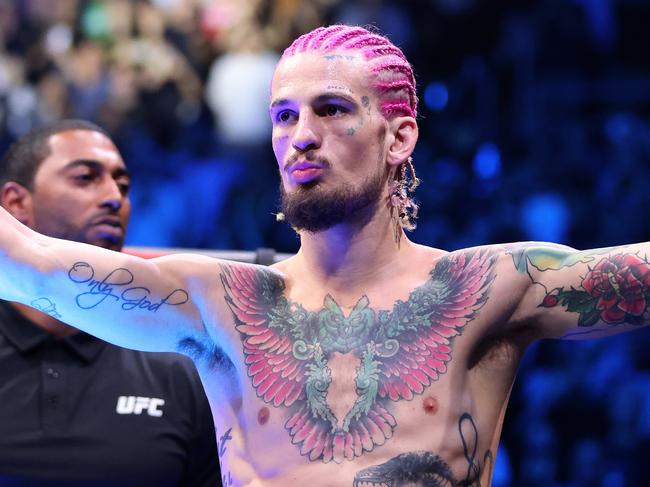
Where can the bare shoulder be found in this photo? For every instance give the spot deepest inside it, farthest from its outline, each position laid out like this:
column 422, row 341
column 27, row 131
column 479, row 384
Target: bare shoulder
column 488, row 283
column 476, row 261
column 461, row 282
column 282, row 267
column 251, row 281
column 206, row 272
column 225, row 293
column 184, row 262
column 513, row 258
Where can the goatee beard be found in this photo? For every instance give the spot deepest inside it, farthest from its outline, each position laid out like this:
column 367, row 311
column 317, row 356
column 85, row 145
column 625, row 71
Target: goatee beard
column 312, row 208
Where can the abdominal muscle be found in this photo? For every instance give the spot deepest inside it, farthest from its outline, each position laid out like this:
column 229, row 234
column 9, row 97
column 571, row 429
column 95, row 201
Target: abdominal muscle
column 433, row 443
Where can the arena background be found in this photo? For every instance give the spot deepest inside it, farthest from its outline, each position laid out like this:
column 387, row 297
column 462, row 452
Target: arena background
column 534, row 122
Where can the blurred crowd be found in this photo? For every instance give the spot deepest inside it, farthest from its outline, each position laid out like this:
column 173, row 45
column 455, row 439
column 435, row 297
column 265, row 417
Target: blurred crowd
column 535, row 125
column 183, row 87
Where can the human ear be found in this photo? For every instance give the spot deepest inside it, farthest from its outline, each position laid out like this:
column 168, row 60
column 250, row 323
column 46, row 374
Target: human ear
column 17, row 200
column 404, row 131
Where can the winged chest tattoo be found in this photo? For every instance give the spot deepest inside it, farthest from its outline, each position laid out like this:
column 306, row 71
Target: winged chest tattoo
column 399, row 353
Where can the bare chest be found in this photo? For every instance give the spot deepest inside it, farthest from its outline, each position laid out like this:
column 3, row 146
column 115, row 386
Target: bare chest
column 355, row 385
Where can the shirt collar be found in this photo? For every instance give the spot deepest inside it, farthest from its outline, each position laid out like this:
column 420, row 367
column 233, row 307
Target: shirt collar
column 26, row 336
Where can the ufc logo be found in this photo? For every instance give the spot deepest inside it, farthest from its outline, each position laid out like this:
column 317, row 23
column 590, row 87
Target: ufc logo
column 136, row 405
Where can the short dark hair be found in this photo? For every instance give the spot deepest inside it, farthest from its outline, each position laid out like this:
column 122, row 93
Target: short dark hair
column 25, row 155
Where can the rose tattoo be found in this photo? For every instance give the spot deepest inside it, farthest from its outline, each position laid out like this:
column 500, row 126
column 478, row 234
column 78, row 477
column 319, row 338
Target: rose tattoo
column 616, row 290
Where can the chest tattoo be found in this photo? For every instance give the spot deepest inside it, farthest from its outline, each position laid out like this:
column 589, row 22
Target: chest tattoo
column 290, row 352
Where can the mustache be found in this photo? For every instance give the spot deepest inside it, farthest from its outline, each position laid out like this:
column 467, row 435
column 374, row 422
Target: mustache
column 109, row 218
column 308, row 157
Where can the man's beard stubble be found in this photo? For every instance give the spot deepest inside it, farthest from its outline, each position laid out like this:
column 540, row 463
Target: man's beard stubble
column 313, row 208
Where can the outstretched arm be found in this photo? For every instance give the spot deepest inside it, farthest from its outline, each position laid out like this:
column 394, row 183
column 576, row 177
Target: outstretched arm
column 126, row 300
column 582, row 294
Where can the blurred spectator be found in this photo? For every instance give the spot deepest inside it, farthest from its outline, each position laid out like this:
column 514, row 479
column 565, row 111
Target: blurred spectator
column 237, row 90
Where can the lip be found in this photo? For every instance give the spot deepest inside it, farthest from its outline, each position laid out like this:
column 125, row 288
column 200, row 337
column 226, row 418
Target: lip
column 109, row 225
column 305, row 172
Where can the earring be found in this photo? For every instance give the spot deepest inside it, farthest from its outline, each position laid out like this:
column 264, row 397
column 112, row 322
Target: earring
column 404, row 210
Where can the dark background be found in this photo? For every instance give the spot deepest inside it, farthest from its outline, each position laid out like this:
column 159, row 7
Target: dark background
column 535, row 125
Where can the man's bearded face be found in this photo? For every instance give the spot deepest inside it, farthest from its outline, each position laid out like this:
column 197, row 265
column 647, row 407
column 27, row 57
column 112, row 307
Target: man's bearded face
column 314, row 208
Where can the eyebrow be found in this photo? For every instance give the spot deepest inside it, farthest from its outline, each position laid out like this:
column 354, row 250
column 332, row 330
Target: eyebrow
column 96, row 165
column 334, row 95
column 327, row 96
column 279, row 103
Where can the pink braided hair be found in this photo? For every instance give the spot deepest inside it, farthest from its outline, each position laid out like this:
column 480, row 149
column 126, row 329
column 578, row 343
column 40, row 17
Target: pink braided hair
column 393, row 74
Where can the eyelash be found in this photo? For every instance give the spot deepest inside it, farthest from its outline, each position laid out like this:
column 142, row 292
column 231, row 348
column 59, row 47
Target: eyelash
column 86, row 177
column 89, row 177
column 124, row 188
column 340, row 110
column 278, row 116
column 323, row 111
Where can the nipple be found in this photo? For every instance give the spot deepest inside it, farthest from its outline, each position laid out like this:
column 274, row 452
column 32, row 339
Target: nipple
column 263, row 415
column 430, row 405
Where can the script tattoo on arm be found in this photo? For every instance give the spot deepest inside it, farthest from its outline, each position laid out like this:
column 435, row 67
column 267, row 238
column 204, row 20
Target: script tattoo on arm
column 289, row 350
column 423, row 468
column 116, row 286
column 615, row 289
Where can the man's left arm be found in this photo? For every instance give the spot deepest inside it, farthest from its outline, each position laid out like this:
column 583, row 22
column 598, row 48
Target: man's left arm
column 582, row 294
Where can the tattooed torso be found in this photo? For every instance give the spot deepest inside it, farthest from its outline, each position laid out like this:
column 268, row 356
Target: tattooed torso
column 405, row 384
column 389, row 377
column 381, row 391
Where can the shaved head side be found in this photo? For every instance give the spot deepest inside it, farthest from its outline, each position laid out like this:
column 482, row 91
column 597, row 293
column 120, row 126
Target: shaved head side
column 392, row 74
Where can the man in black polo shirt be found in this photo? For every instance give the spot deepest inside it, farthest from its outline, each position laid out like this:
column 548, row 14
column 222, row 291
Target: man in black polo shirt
column 75, row 410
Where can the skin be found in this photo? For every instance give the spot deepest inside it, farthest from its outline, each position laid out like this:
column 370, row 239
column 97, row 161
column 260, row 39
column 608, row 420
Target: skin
column 340, row 334
column 80, row 193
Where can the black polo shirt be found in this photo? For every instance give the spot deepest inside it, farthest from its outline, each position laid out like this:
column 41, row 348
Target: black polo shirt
column 79, row 411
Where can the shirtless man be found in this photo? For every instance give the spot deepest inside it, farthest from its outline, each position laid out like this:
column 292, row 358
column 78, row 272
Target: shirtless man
column 365, row 359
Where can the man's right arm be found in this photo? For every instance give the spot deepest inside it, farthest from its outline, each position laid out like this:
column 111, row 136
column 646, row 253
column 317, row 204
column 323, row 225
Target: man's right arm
column 126, row 300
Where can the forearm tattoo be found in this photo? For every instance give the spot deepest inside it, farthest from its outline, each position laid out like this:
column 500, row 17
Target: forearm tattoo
column 423, row 468
column 614, row 290
column 290, row 351
column 117, row 287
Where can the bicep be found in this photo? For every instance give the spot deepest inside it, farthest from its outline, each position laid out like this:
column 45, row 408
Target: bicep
column 585, row 294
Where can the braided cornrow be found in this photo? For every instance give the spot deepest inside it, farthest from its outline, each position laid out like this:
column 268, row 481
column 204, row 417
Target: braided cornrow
column 393, row 74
